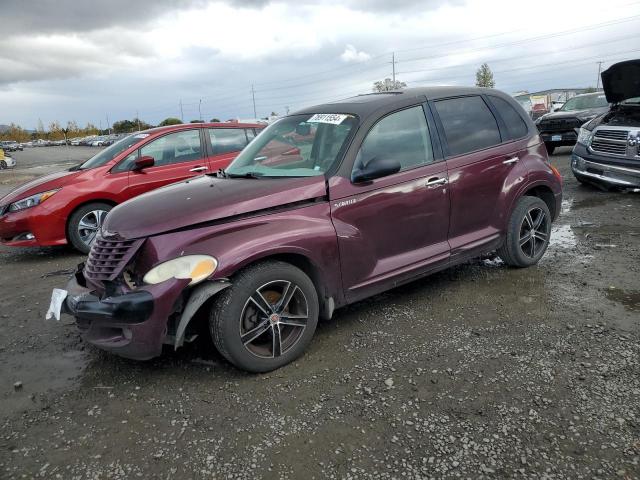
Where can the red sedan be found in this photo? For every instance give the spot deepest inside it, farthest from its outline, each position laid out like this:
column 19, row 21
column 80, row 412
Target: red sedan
column 70, row 206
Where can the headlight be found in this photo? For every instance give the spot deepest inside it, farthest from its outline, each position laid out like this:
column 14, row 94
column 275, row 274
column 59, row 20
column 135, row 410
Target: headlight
column 584, row 136
column 31, row 201
column 195, row 267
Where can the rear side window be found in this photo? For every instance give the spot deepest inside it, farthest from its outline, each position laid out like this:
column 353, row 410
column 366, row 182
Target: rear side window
column 514, row 122
column 401, row 136
column 225, row 140
column 468, row 124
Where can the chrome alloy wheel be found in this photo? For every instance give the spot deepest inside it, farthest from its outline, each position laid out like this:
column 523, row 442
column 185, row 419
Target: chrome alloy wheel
column 273, row 319
column 534, row 232
column 89, row 225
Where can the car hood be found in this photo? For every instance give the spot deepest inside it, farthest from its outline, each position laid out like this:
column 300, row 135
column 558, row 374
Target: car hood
column 590, row 112
column 40, row 184
column 206, row 199
column 621, row 81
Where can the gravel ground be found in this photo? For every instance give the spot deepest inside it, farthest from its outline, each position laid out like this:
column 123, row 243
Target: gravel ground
column 480, row 371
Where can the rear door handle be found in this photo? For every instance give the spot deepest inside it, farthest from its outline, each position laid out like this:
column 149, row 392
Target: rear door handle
column 435, row 181
column 198, row 169
column 511, row 160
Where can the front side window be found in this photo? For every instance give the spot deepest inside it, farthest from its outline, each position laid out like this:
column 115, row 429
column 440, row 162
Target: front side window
column 401, row 136
column 109, row 153
column 225, row 140
column 295, row 146
column 468, row 124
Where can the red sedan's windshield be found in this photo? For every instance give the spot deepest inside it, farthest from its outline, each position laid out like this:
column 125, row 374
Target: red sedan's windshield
column 109, row 153
column 296, row 146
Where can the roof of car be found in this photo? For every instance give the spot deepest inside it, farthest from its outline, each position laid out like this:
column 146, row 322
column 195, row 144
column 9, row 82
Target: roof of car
column 370, row 102
column 202, row 125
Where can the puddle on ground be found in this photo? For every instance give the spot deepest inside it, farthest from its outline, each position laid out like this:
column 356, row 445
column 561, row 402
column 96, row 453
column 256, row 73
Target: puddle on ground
column 629, row 298
column 562, row 237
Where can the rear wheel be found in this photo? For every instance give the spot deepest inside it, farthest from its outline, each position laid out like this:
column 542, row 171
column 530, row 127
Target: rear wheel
column 550, row 148
column 267, row 317
column 85, row 223
column 3, row 164
column 528, row 233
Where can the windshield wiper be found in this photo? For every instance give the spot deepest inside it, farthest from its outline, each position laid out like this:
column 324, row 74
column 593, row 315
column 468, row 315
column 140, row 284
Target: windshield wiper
column 244, row 175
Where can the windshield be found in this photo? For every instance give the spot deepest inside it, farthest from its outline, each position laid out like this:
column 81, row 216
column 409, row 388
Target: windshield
column 585, row 102
column 109, row 153
column 296, row 146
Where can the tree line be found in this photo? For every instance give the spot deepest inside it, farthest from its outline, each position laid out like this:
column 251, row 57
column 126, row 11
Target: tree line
column 58, row 131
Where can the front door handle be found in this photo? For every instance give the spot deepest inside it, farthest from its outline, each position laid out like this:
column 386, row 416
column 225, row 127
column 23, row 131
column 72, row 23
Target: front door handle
column 511, row 160
column 198, row 169
column 435, row 181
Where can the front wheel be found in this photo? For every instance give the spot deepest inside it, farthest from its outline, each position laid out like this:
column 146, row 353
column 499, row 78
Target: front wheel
column 3, row 164
column 528, row 233
column 85, row 223
column 267, row 317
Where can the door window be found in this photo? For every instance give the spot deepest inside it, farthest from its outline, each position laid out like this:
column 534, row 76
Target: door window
column 176, row 147
column 225, row 140
column 468, row 124
column 402, row 136
column 513, row 120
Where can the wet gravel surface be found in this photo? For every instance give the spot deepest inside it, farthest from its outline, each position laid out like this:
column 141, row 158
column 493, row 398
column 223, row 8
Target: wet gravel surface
column 480, row 371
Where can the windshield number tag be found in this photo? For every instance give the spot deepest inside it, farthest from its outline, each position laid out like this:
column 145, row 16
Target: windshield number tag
column 332, row 118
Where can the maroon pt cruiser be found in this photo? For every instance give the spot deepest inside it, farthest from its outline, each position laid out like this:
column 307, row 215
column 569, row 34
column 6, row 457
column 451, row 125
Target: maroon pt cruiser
column 325, row 207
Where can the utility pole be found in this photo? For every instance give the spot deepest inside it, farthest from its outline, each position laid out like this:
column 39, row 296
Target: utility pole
column 253, row 97
column 181, row 112
column 199, row 111
column 138, row 119
column 393, row 67
column 598, row 79
column 108, row 124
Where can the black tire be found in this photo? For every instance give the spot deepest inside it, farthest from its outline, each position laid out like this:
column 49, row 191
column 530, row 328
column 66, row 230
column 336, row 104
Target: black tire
column 3, row 164
column 550, row 148
column 236, row 320
column 74, row 231
column 521, row 248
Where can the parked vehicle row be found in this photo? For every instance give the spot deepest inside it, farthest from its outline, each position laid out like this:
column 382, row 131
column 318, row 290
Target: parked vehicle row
column 10, row 146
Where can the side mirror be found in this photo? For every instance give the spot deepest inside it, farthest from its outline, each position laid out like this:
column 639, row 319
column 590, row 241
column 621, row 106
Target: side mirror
column 376, row 168
column 143, row 162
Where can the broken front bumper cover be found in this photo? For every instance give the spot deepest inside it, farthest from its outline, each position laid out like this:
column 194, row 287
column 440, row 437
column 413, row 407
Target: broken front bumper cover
column 129, row 324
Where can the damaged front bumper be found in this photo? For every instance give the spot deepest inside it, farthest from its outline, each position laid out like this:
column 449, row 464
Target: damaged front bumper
column 130, row 324
column 605, row 173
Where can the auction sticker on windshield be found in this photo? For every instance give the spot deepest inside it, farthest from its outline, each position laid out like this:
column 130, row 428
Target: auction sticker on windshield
column 332, row 118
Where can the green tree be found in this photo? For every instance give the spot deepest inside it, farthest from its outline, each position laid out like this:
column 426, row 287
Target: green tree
column 215, row 120
column 170, row 121
column 590, row 90
column 484, row 77
column 196, row 121
column 387, row 85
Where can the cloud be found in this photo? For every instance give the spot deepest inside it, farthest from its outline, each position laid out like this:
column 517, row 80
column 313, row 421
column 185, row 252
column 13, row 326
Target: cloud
column 351, row 54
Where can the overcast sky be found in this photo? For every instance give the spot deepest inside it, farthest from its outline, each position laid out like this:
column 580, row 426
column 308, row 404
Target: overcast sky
column 86, row 60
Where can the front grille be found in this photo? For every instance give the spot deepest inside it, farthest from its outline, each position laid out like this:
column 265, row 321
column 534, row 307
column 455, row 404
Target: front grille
column 560, row 125
column 610, row 142
column 108, row 258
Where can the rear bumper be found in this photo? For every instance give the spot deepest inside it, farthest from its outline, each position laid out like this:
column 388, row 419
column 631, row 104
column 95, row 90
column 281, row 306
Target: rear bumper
column 132, row 324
